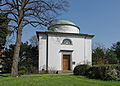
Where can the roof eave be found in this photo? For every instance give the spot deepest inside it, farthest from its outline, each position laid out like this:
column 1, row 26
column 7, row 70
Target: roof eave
column 86, row 35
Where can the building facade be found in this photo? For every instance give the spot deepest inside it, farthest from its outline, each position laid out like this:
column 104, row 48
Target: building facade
column 63, row 47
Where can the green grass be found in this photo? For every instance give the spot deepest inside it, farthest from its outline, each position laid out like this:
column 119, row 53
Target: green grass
column 55, row 80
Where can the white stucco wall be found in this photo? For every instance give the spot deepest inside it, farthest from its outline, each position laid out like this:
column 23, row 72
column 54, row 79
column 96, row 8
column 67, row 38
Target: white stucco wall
column 81, row 48
column 88, row 51
column 42, row 51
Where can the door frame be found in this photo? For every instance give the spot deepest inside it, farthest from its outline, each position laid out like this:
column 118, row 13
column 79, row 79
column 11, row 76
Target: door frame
column 67, row 53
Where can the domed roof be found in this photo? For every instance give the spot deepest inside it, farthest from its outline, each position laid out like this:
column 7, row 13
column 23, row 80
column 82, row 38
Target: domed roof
column 64, row 26
column 64, row 22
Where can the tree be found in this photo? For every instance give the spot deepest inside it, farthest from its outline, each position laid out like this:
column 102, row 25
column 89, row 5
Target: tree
column 101, row 55
column 98, row 56
column 3, row 29
column 116, row 48
column 28, row 57
column 7, row 60
column 111, row 56
column 29, row 12
column 34, row 41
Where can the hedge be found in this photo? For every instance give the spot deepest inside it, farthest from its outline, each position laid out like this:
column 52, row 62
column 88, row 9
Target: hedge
column 81, row 69
column 103, row 72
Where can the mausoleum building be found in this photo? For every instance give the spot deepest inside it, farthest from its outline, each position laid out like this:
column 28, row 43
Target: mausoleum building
column 63, row 47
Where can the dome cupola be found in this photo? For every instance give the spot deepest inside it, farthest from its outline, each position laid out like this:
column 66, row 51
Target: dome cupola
column 64, row 26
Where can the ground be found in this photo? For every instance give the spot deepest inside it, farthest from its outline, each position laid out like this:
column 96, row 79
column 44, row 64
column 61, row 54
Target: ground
column 54, row 80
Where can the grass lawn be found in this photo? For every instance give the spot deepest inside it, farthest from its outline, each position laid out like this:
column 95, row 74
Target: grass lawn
column 55, row 80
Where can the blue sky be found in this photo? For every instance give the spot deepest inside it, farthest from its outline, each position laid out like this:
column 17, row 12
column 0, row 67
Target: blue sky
column 98, row 17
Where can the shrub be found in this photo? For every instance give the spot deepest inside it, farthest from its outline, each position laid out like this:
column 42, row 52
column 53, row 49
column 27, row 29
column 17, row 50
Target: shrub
column 81, row 69
column 104, row 72
column 96, row 72
column 111, row 75
column 117, row 67
column 32, row 69
column 22, row 70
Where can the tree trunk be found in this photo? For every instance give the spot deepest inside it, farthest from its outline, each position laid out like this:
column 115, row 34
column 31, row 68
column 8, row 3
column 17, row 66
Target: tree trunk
column 14, row 70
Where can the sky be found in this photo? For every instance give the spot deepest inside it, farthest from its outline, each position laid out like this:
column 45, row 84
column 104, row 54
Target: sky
column 95, row 17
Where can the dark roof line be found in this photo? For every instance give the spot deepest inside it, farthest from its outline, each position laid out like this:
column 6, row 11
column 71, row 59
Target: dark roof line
column 86, row 35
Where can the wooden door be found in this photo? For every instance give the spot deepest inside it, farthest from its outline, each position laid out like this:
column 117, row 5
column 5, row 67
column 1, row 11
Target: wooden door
column 66, row 62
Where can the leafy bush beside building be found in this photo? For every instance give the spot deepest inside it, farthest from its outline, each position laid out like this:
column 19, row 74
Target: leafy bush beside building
column 102, row 72
column 81, row 69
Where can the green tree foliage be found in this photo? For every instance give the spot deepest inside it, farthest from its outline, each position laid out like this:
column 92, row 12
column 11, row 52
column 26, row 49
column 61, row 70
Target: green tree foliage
column 101, row 56
column 111, row 56
column 116, row 48
column 97, row 55
column 3, row 29
column 28, row 58
column 7, row 60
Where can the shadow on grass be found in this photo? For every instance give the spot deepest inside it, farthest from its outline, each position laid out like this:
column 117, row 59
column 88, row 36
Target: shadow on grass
column 3, row 76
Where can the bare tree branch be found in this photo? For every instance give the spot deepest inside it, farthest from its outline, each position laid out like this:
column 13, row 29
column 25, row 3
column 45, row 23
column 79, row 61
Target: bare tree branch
column 10, row 19
column 13, row 27
column 33, row 22
column 29, row 12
